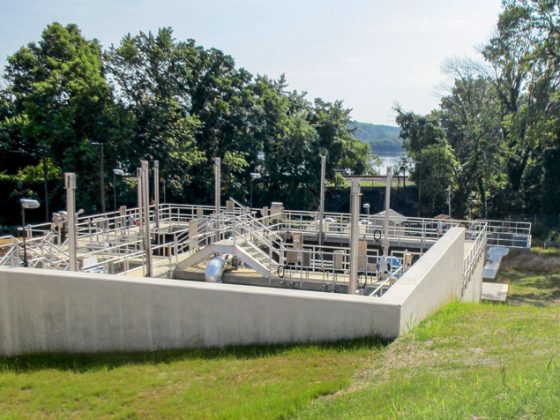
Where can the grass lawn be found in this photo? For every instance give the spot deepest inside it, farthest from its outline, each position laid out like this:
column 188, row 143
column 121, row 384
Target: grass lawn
column 469, row 361
column 248, row 382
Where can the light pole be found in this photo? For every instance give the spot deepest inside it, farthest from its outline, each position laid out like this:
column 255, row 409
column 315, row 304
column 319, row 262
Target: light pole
column 449, row 200
column 116, row 172
column 366, row 207
column 101, row 173
column 26, row 204
column 254, row 176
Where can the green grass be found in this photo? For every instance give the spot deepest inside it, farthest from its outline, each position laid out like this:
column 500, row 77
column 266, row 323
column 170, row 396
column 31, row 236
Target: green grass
column 467, row 361
column 253, row 382
column 534, row 277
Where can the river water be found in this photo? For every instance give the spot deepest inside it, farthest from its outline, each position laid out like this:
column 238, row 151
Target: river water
column 387, row 161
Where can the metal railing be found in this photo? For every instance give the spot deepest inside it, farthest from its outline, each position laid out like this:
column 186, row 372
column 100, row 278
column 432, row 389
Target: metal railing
column 478, row 233
column 114, row 237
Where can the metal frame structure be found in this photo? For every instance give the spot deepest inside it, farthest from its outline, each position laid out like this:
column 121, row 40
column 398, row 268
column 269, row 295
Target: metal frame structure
column 115, row 242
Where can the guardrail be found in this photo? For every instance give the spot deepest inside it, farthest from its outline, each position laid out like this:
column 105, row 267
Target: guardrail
column 478, row 233
column 120, row 230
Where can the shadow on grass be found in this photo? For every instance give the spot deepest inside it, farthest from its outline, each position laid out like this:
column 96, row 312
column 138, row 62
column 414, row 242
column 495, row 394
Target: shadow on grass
column 84, row 362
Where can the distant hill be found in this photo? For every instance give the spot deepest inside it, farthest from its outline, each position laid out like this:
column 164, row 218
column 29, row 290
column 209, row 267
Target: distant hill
column 382, row 139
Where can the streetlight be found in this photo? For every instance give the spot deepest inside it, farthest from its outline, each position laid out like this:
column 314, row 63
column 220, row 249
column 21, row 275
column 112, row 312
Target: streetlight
column 366, row 206
column 116, row 172
column 254, row 176
column 101, row 173
column 26, row 204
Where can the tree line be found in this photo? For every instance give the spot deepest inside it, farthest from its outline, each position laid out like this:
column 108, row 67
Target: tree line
column 495, row 137
column 155, row 97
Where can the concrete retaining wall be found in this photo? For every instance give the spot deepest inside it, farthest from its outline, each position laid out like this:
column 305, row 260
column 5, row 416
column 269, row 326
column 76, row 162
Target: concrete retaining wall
column 434, row 280
column 50, row 311
column 53, row 311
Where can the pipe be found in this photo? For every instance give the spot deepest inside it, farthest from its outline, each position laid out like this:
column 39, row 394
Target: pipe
column 354, row 232
column 217, row 191
column 70, row 186
column 215, row 269
column 156, row 192
column 146, row 210
column 322, row 198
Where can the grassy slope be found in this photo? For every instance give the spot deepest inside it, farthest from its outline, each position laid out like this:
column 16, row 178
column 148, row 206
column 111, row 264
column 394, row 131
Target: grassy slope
column 467, row 361
column 239, row 382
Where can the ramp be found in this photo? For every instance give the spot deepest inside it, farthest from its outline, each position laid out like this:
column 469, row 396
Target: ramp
column 494, row 257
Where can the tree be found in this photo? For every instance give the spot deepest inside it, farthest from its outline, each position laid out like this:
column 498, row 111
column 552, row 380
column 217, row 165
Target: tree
column 524, row 55
column 435, row 164
column 60, row 96
column 470, row 116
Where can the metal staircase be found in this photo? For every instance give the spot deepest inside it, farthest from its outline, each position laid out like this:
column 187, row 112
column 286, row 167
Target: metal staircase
column 244, row 236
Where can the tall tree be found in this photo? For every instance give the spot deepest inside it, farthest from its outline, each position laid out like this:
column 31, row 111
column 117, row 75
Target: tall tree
column 60, row 92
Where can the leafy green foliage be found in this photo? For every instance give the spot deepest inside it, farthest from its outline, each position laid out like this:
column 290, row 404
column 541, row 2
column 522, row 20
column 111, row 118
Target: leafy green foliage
column 502, row 119
column 155, row 97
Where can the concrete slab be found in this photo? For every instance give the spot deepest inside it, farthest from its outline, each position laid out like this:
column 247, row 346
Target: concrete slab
column 494, row 257
column 496, row 292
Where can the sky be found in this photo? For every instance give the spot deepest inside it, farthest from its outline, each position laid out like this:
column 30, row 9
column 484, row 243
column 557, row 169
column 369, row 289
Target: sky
column 371, row 54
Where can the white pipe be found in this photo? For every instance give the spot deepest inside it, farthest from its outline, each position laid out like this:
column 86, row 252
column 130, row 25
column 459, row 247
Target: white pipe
column 322, row 198
column 354, row 232
column 146, row 211
column 156, row 192
column 70, row 185
column 217, row 190
column 387, row 208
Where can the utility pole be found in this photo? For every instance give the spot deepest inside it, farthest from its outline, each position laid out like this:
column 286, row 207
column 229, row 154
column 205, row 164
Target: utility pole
column 322, row 198
column 70, row 186
column 354, row 232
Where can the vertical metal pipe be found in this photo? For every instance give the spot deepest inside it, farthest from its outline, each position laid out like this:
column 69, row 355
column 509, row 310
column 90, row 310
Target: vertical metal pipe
column 139, row 198
column 24, row 236
column 354, row 235
column 156, row 192
column 387, row 208
column 322, row 198
column 70, row 186
column 146, row 211
column 217, row 189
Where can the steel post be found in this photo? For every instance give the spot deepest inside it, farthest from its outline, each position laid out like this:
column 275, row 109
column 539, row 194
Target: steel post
column 139, row 198
column 70, row 186
column 146, row 210
column 387, row 208
column 217, row 190
column 354, row 235
column 156, row 192
column 322, row 198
